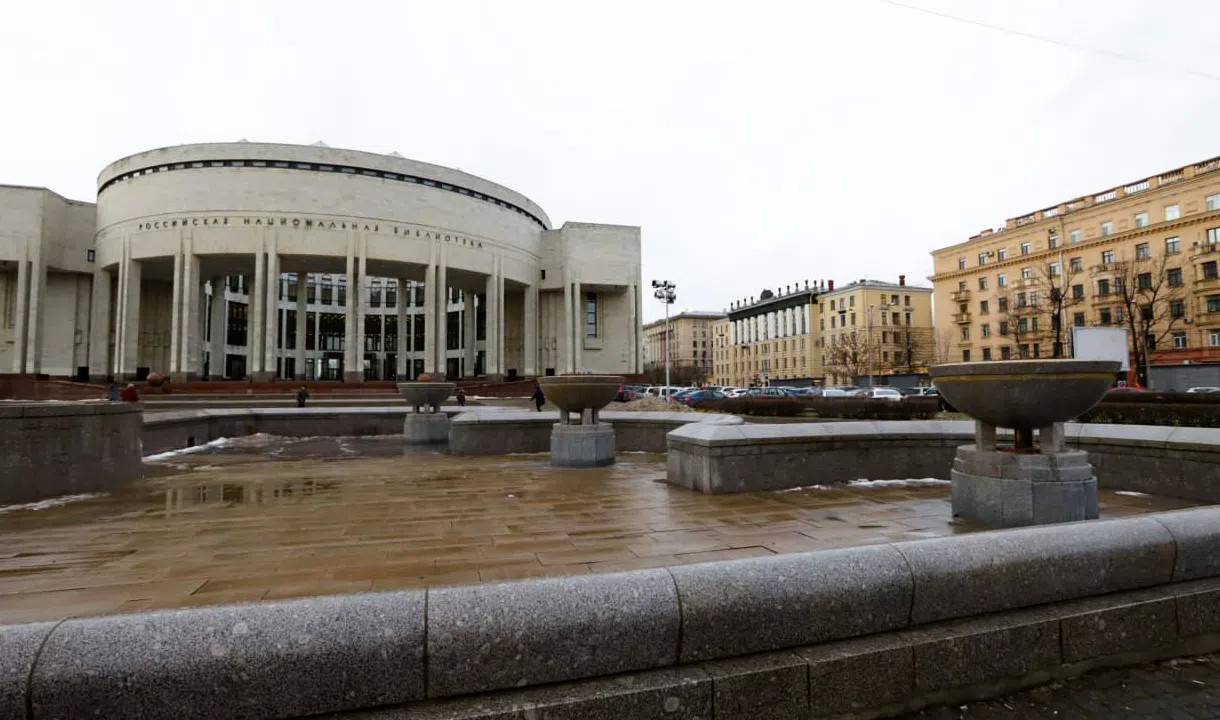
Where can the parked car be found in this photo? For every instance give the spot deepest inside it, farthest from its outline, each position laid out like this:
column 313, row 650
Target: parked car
column 880, row 393
column 697, row 397
column 1126, row 389
column 836, row 392
column 909, row 391
column 773, row 392
column 737, row 392
column 1204, row 389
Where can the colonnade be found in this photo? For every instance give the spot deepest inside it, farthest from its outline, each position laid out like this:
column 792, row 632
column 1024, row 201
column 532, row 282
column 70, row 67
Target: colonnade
column 189, row 301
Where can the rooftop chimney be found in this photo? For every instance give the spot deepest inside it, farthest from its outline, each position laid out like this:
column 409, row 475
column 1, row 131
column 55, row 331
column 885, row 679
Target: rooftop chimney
column 902, row 280
column 830, row 285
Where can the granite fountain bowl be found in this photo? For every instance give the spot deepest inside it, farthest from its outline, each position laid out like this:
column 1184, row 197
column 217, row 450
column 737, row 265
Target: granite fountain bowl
column 574, row 393
column 1024, row 394
column 426, row 394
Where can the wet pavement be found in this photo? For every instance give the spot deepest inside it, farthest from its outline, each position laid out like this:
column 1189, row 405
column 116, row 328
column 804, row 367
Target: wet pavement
column 1183, row 689
column 262, row 517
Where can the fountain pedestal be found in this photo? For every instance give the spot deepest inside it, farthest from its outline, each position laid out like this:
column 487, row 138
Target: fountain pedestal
column 1023, row 484
column 579, row 439
column 427, row 424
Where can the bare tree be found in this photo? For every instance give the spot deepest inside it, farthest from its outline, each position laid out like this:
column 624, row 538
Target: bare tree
column 1062, row 294
column 942, row 346
column 1033, row 313
column 850, row 354
column 917, row 350
column 1152, row 303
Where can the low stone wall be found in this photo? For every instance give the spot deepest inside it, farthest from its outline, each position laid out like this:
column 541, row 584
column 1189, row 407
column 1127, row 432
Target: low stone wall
column 500, row 432
column 859, row 630
column 1174, row 462
column 49, row 449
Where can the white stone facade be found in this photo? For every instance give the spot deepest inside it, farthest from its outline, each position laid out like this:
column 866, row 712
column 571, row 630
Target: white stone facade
column 491, row 287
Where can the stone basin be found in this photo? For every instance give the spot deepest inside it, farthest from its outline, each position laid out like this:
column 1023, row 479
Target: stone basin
column 1024, row 394
column 426, row 394
column 573, row 393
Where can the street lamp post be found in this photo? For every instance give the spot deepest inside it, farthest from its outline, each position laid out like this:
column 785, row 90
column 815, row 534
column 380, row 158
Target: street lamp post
column 665, row 291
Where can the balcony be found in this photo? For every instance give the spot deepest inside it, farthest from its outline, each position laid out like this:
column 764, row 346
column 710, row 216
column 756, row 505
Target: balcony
column 1103, row 268
column 1110, row 298
column 1205, row 283
column 1204, row 248
column 961, row 318
column 960, row 296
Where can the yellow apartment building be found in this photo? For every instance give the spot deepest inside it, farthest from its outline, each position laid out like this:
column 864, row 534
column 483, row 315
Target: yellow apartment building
column 1142, row 256
column 816, row 335
column 691, row 348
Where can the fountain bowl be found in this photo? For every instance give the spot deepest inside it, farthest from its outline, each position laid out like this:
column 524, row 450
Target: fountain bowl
column 426, row 394
column 1024, row 394
column 573, row 393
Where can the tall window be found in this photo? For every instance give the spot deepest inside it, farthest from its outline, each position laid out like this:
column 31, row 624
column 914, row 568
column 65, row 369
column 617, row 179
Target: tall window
column 1001, row 254
column 1107, row 228
column 1143, row 281
column 983, row 283
column 1174, row 277
column 1213, row 202
column 1026, row 273
column 982, row 258
column 1209, row 270
column 1107, row 257
column 1078, row 319
column 1052, row 242
column 1077, row 264
column 1173, row 246
column 1078, row 292
column 1075, row 236
column 961, row 263
column 1141, row 220
column 1214, row 338
column 591, row 315
column 1026, row 248
column 1000, row 280
column 1213, row 303
column 1142, row 252
column 1213, row 236
column 1177, row 308
column 1179, row 341
column 1171, row 212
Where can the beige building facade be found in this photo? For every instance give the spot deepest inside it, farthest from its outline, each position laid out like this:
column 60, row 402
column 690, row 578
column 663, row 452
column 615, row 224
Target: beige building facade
column 1141, row 256
column 821, row 335
column 262, row 260
column 689, row 342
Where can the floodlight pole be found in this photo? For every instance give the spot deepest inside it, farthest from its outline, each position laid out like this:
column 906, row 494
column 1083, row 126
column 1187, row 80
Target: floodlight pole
column 665, row 292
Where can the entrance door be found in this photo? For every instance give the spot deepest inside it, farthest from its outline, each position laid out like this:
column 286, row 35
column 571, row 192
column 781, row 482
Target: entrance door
column 453, row 368
column 332, row 366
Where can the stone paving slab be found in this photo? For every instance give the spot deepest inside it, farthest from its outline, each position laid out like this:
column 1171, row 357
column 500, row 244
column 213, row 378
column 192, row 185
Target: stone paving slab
column 265, row 518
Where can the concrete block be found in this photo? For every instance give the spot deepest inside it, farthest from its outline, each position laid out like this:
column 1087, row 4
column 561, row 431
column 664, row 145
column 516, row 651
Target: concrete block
column 503, row 635
column 324, row 654
column 19, row 646
column 426, row 428
column 1104, row 626
column 855, row 675
column 666, row 694
column 771, row 686
column 582, row 445
column 1198, row 609
column 980, row 650
column 1001, row 570
column 769, row 603
column 1196, row 534
column 1063, row 501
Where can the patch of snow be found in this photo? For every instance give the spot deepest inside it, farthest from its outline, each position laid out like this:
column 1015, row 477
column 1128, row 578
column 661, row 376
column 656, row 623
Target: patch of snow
column 49, row 503
column 916, row 482
column 1131, row 493
column 169, row 454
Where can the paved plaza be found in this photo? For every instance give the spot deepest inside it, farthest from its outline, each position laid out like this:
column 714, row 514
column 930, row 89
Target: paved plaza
column 262, row 518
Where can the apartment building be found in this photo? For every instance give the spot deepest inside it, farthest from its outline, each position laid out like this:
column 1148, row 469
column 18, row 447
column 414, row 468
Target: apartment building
column 815, row 335
column 1142, row 256
column 689, row 342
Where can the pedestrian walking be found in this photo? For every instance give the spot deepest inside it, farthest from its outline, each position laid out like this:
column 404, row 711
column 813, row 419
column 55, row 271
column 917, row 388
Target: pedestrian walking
column 539, row 398
column 130, row 394
column 302, row 396
column 461, row 397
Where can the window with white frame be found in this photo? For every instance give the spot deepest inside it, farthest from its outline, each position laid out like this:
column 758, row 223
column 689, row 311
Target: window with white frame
column 1142, row 251
column 1173, row 246
column 1026, row 273
column 1026, row 248
column 1171, row 212
column 1213, row 338
column 1107, row 228
column 1001, row 254
column 1075, row 236
column 1179, row 340
column 1141, row 220
column 1001, row 280
column 1107, row 257
column 1213, row 202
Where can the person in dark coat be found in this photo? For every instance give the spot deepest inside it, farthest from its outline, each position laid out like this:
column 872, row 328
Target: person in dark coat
column 130, row 394
column 461, row 397
column 302, row 396
column 539, row 398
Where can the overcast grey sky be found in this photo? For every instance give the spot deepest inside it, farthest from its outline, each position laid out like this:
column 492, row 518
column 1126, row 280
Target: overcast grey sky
column 758, row 144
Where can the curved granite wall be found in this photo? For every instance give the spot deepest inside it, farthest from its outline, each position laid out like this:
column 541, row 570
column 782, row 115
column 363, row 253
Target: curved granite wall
column 49, row 449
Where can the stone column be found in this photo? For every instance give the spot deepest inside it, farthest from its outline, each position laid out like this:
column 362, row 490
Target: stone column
column 469, row 332
column 272, row 309
column 298, row 362
column 566, row 345
column 37, row 311
column 529, row 341
column 175, row 322
column 357, row 296
column 257, row 315
column 493, row 334
column 351, row 341
column 99, row 327
column 430, row 315
column 638, row 330
column 129, row 350
column 441, row 322
column 22, row 315
column 578, row 326
column 191, row 365
column 402, row 361
column 220, row 329
column 501, row 322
